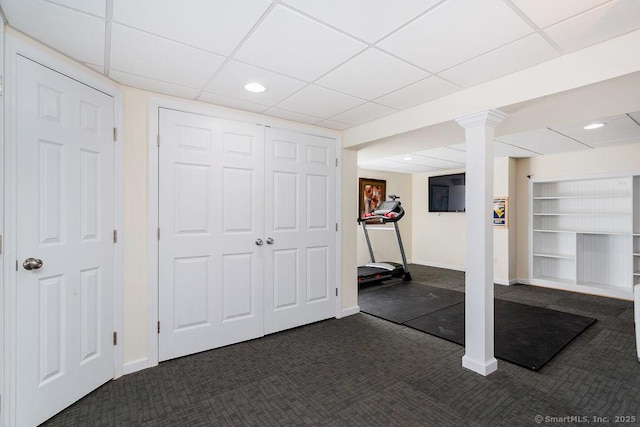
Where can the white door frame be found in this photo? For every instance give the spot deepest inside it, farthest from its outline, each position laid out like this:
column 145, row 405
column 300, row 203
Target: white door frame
column 19, row 45
column 194, row 107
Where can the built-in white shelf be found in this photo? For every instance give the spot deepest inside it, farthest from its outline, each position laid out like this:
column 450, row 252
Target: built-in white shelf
column 585, row 234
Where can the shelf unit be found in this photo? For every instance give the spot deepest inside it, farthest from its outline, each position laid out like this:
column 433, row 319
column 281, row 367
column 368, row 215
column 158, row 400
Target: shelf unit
column 585, row 234
column 636, row 231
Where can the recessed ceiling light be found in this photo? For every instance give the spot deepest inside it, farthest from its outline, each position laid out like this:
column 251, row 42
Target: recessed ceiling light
column 255, row 87
column 594, row 126
column 408, row 158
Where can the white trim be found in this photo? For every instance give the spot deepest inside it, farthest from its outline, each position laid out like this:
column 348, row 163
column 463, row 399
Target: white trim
column 152, row 235
column 195, row 107
column 348, row 312
column 17, row 44
column 2, row 257
column 616, row 174
column 135, row 366
column 439, row 265
column 483, row 368
column 505, row 282
column 338, row 194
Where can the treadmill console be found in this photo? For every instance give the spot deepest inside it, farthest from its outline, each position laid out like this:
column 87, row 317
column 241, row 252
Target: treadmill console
column 386, row 207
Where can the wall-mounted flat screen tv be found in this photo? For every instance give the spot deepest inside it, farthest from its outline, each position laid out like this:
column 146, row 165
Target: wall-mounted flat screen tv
column 446, row 193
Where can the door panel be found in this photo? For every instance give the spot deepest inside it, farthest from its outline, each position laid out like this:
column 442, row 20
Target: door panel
column 300, row 217
column 211, row 197
column 65, row 195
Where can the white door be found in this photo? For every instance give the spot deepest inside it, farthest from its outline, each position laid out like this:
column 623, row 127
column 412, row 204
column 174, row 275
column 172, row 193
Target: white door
column 300, row 269
column 211, row 196
column 65, row 199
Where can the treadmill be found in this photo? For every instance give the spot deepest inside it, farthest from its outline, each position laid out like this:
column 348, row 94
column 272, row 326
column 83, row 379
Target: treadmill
column 390, row 211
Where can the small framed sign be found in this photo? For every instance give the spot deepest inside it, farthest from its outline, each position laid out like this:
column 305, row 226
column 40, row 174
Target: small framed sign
column 501, row 212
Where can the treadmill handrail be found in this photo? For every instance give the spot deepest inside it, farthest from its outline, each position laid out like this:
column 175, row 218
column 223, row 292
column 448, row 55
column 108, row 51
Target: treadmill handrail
column 383, row 219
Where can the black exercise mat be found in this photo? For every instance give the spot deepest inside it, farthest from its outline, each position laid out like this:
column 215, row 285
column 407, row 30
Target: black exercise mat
column 524, row 335
column 405, row 301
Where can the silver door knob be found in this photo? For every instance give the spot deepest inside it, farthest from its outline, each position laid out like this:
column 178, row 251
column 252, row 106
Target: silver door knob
column 32, row 264
column 259, row 242
column 270, row 241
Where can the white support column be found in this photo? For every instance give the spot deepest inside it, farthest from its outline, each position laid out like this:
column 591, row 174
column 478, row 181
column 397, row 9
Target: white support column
column 479, row 345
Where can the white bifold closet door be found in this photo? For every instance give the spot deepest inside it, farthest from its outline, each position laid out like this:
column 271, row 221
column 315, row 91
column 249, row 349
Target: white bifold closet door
column 247, row 231
column 211, row 200
column 300, row 217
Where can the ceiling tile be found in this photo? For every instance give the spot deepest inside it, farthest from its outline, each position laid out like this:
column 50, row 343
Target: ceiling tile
column 152, row 85
column 426, row 161
column 77, row 34
column 333, row 125
column 290, row 115
column 381, row 17
column 319, row 102
column 363, row 113
column 542, row 141
column 500, row 149
column 214, row 25
column 291, row 44
column 515, row 56
column 368, row 75
column 444, row 153
column 394, row 166
column 618, row 129
column 597, row 25
column 418, row 93
column 143, row 54
column 225, row 101
column 548, row 12
column 454, row 32
column 234, row 75
column 94, row 7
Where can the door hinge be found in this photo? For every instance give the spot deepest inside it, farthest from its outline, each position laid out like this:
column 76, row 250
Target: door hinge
column 336, row 162
column 1, row 247
column 115, row 338
column 158, row 326
column 336, row 226
column 158, row 233
column 158, row 140
column 115, row 236
column 115, row 134
column 16, row 265
column 336, row 291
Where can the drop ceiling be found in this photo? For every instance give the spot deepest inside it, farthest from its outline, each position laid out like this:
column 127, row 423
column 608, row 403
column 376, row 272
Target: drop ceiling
column 618, row 130
column 332, row 63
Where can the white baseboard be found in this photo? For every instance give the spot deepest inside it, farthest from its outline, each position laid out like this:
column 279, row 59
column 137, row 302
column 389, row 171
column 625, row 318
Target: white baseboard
column 135, row 366
column 437, row 265
column 458, row 268
column 482, row 368
column 506, row 282
column 348, row 312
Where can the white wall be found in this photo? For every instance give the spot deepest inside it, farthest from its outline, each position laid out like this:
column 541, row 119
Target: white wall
column 439, row 238
column 135, row 171
column 623, row 158
column 349, row 297
column 383, row 238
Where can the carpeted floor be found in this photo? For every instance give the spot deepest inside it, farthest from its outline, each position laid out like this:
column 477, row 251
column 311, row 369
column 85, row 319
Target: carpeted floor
column 364, row 371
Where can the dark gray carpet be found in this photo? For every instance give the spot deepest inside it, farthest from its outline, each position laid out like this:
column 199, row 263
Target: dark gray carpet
column 364, row 371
